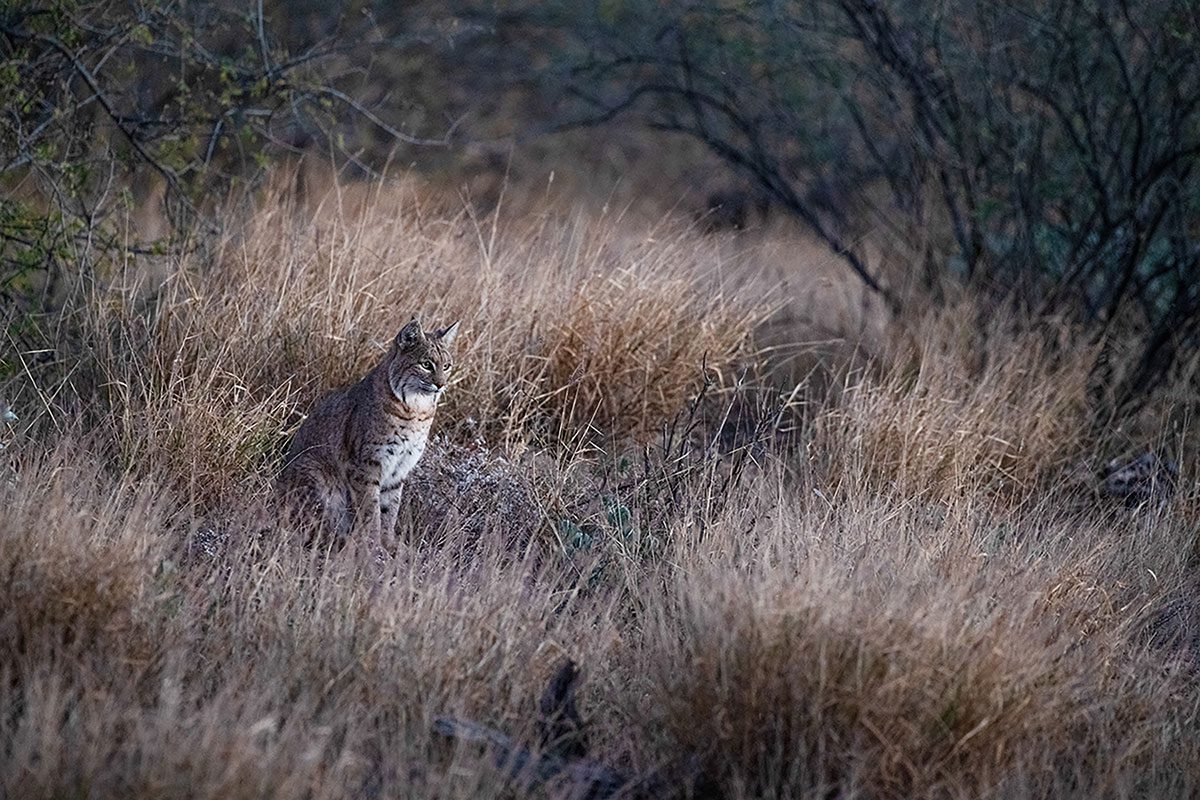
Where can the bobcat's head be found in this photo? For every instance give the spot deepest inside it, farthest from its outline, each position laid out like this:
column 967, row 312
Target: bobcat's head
column 419, row 363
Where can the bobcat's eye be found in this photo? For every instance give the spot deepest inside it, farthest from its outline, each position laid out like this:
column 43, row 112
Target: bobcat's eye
column 427, row 365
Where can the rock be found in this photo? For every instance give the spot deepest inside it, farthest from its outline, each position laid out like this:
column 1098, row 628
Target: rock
column 1146, row 478
column 472, row 483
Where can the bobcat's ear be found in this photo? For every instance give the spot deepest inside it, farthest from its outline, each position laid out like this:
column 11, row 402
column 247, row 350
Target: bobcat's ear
column 446, row 335
column 409, row 333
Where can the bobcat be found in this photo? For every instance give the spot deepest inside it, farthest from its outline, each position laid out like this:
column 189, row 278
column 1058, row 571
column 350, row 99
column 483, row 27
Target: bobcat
column 352, row 454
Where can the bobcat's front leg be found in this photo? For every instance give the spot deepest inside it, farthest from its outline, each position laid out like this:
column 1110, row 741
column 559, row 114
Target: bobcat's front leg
column 367, row 511
column 389, row 502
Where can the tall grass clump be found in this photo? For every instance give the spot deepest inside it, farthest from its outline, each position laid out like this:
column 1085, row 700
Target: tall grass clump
column 955, row 410
column 865, row 647
column 78, row 558
column 571, row 332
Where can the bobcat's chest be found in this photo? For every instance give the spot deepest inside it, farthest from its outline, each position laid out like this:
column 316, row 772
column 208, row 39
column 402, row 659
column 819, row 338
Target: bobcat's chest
column 398, row 456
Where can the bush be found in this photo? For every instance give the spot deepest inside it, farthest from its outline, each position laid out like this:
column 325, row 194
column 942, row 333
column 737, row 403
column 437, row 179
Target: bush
column 1047, row 153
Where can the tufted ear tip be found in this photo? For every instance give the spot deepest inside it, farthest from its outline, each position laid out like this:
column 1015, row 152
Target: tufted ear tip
column 447, row 335
column 409, row 333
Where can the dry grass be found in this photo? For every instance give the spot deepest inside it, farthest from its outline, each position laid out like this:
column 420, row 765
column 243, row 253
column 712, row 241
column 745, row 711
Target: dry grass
column 961, row 411
column 906, row 657
column 914, row 595
column 570, row 331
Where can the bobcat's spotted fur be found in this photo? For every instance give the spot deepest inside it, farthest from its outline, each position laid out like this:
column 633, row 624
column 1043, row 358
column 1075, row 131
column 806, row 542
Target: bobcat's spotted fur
column 351, row 456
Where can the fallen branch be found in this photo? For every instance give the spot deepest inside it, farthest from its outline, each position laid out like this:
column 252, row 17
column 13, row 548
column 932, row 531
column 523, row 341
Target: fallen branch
column 559, row 757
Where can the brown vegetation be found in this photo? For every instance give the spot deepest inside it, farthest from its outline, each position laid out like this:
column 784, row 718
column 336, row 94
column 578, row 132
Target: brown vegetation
column 906, row 585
